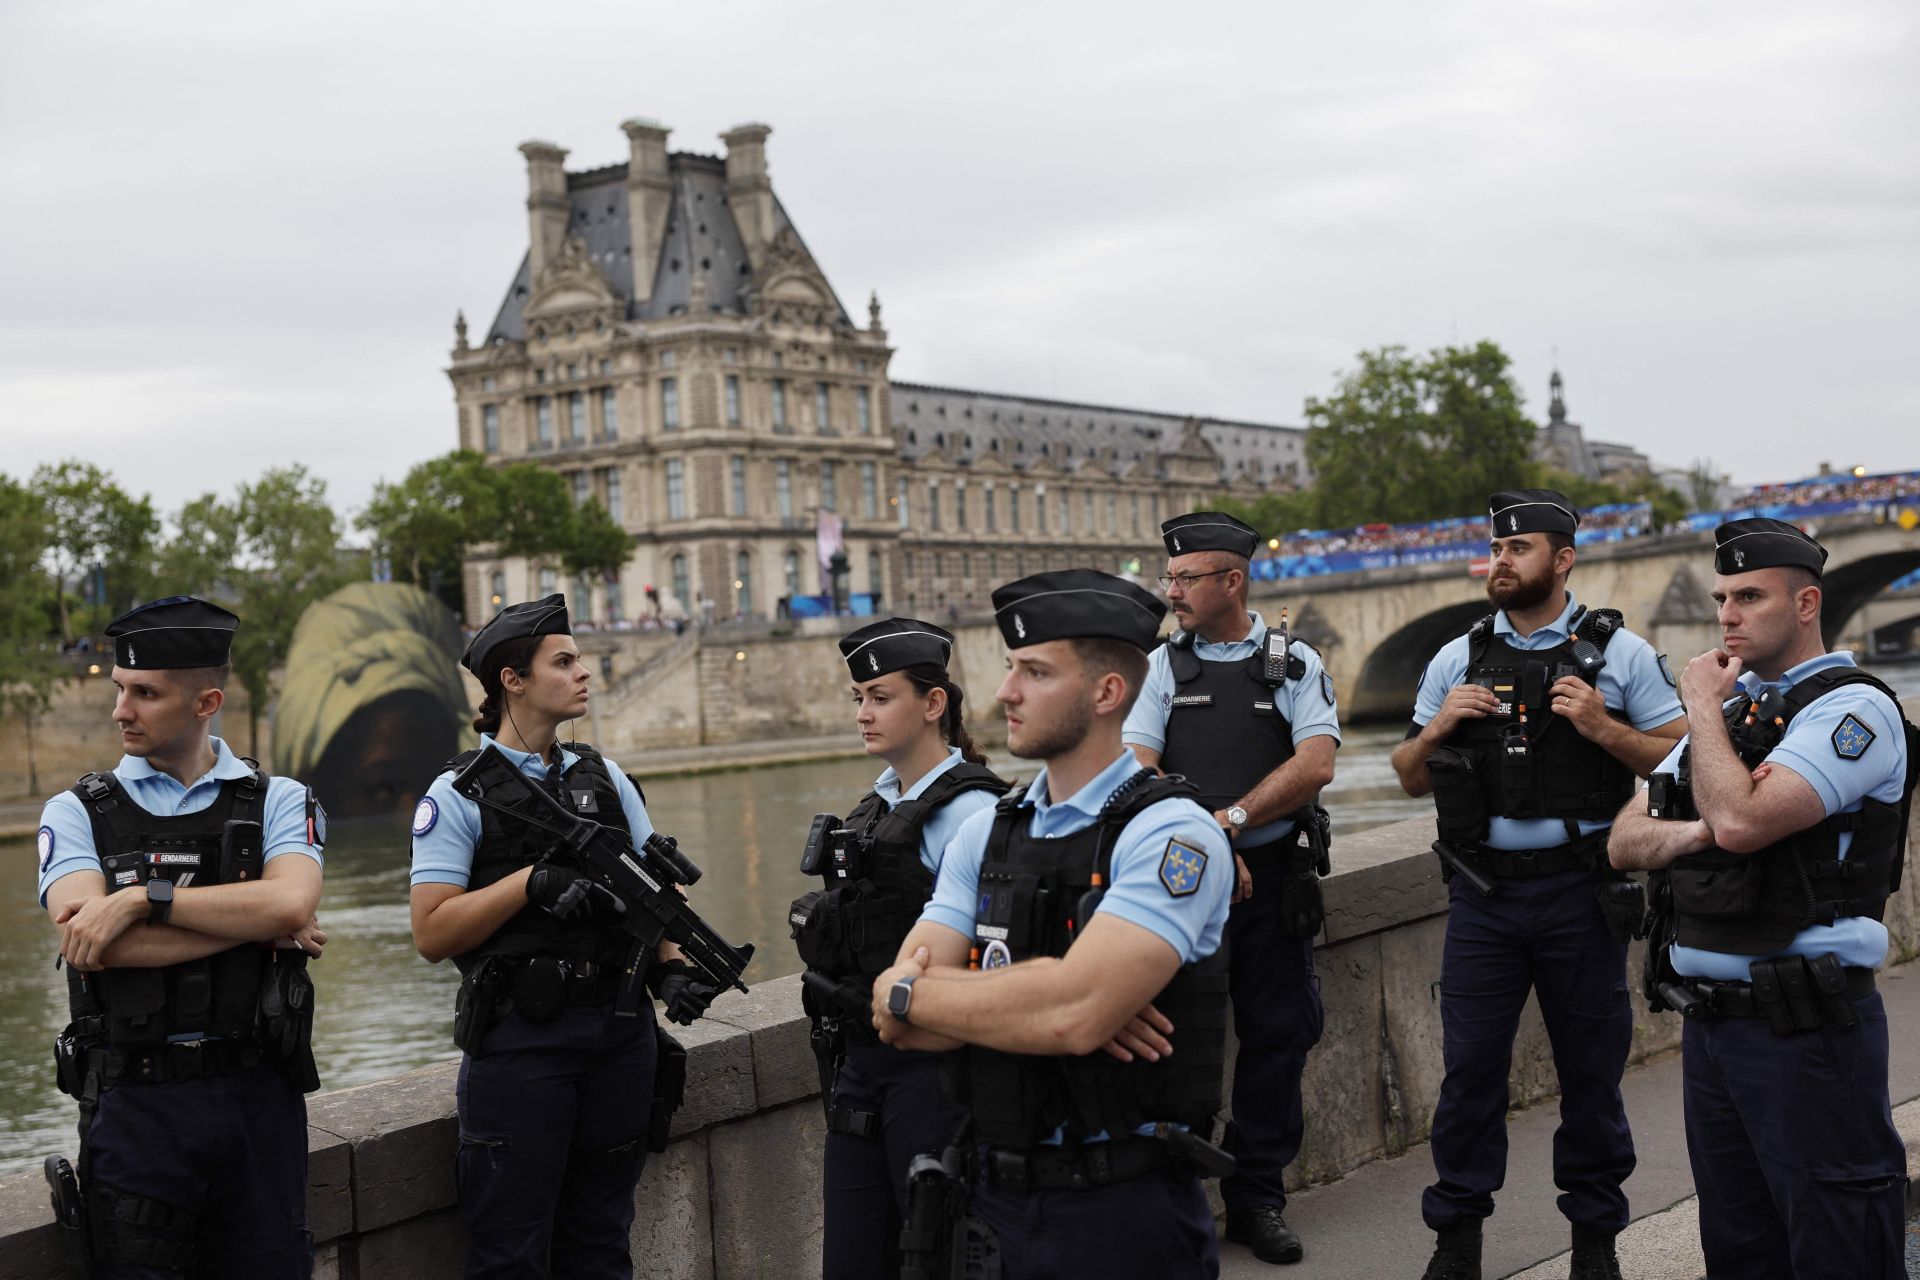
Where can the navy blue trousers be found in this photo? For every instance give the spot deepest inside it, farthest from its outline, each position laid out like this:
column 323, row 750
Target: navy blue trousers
column 553, row 1126
column 1157, row 1225
column 1546, row 935
column 866, row 1178
column 232, row 1149
column 1277, row 1017
column 1800, row 1173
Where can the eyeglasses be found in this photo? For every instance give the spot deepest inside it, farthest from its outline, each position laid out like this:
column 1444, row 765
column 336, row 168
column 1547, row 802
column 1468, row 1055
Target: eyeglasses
column 1186, row 580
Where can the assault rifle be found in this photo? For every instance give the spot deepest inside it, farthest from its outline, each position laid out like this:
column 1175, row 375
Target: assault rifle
column 645, row 880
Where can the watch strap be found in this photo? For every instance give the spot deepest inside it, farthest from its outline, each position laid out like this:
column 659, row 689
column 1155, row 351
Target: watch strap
column 159, row 901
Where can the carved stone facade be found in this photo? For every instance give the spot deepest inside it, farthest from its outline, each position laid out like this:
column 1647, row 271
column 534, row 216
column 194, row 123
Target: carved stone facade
column 672, row 347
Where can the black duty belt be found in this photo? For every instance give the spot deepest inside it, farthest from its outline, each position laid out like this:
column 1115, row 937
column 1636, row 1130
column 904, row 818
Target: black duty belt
column 584, row 984
column 1737, row 999
column 1098, row 1164
column 1584, row 854
column 172, row 1063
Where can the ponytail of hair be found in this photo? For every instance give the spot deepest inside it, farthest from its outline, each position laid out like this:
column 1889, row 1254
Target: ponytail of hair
column 926, row 677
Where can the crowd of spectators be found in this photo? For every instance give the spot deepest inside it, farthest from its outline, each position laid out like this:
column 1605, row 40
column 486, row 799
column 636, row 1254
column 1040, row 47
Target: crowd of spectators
column 1845, row 488
column 1629, row 519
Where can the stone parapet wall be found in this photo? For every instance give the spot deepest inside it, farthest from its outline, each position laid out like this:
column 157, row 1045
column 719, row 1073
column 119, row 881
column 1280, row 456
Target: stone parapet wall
column 738, row 1192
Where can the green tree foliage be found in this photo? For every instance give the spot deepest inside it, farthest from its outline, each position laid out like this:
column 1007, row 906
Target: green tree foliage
column 1408, row 437
column 1667, row 505
column 93, row 521
column 198, row 559
column 595, row 543
column 30, row 667
column 268, row 553
column 425, row 523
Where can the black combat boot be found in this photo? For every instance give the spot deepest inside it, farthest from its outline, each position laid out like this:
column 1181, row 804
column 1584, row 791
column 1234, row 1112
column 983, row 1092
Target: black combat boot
column 1265, row 1230
column 1593, row 1257
column 1456, row 1252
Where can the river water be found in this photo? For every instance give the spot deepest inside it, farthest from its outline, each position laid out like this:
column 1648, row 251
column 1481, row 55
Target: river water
column 383, row 1010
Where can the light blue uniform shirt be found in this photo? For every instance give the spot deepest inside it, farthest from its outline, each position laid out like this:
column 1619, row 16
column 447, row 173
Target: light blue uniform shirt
column 1307, row 704
column 943, row 823
column 1811, row 748
column 1192, row 923
column 446, row 825
column 1633, row 680
column 65, row 838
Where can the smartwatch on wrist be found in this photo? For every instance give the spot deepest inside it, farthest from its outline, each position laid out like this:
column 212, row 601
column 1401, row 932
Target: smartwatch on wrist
column 159, row 900
column 899, row 996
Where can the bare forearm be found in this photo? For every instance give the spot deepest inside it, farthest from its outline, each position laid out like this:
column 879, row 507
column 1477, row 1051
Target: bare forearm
column 1642, row 843
column 1640, row 752
column 1410, row 763
column 1722, row 784
column 153, row 946
column 463, row 921
column 259, row 911
column 1024, row 1008
column 1286, row 789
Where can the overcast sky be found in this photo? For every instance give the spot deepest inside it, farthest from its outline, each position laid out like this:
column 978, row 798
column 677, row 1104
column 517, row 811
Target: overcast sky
column 236, row 235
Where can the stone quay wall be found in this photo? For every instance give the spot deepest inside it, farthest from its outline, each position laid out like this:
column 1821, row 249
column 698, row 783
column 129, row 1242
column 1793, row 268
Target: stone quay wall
column 738, row 1192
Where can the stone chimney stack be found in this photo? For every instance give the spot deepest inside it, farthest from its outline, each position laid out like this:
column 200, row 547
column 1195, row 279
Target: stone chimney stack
column 749, row 191
column 649, row 192
column 547, row 204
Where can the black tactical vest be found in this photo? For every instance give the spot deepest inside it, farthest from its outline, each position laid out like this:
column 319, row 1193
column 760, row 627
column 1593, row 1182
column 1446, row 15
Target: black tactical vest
column 218, row 996
column 1755, row 903
column 853, row 928
column 1560, row 774
column 1224, row 731
column 506, row 845
column 1034, row 896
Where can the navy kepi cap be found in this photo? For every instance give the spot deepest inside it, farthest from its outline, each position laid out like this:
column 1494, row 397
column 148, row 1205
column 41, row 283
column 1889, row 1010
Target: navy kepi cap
column 892, row 644
column 1208, row 531
column 1076, row 604
column 172, row 634
column 1741, row 546
column 544, row 617
column 1519, row 511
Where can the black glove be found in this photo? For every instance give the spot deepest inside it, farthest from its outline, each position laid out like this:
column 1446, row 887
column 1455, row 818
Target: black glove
column 565, row 894
column 679, row 987
column 1623, row 903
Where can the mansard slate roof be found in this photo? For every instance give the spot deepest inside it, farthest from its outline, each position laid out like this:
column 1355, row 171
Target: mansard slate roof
column 701, row 237
column 967, row 426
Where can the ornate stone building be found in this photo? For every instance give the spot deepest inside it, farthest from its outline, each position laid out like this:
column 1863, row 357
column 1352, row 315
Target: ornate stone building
column 672, row 347
column 1564, row 444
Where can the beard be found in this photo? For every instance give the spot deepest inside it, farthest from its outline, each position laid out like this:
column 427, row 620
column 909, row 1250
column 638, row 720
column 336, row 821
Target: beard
column 1519, row 592
column 1036, row 742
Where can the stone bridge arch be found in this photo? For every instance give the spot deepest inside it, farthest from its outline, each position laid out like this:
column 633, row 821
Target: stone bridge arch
column 1391, row 673
column 1850, row 585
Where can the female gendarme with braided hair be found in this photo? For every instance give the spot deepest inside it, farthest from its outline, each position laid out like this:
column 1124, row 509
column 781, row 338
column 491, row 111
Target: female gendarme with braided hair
column 883, row 1105
column 555, row 1089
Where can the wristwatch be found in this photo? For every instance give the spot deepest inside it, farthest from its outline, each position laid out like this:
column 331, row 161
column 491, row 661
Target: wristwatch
column 1237, row 816
column 899, row 996
column 159, row 900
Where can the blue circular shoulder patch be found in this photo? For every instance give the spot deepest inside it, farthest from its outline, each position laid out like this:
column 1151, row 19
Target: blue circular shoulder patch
column 44, row 840
column 425, row 814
